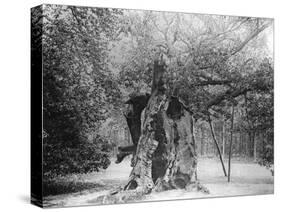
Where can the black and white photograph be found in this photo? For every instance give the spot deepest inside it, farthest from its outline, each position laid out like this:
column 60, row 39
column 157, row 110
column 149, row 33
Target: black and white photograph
column 145, row 105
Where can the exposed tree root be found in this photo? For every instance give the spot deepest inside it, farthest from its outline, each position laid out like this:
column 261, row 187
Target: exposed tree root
column 120, row 195
column 197, row 186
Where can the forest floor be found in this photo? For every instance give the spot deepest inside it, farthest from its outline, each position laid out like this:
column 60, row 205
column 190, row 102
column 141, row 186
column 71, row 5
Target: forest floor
column 247, row 178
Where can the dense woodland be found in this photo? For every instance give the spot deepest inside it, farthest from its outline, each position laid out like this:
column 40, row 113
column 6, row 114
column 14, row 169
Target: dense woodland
column 96, row 59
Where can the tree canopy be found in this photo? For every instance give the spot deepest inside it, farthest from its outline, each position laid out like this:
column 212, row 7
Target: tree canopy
column 94, row 59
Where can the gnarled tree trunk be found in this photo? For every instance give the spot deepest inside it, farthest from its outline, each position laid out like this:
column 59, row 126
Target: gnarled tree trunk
column 165, row 156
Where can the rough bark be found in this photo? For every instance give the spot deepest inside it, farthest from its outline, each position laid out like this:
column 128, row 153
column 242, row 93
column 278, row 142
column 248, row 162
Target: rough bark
column 165, row 156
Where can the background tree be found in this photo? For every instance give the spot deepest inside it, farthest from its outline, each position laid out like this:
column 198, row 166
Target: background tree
column 78, row 88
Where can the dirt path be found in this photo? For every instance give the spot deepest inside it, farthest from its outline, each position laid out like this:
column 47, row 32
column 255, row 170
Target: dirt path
column 247, row 179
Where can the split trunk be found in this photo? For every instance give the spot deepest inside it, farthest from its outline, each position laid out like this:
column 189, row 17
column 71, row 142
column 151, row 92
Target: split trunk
column 162, row 132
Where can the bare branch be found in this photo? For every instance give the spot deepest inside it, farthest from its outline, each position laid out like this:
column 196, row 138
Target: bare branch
column 249, row 38
column 240, row 47
column 228, row 94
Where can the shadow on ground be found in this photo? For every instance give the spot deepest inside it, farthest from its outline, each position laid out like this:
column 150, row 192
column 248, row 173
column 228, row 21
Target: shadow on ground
column 60, row 187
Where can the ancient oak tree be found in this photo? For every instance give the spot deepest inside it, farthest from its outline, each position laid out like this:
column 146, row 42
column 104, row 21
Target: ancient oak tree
column 164, row 154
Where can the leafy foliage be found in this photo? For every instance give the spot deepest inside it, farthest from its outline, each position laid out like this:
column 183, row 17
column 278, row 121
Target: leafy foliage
column 213, row 62
column 79, row 90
